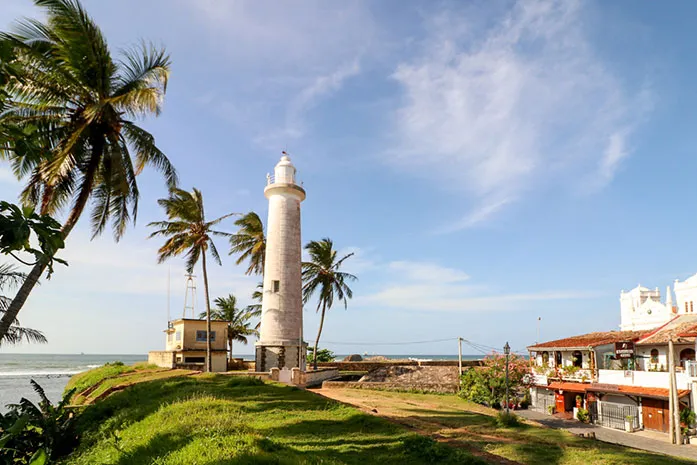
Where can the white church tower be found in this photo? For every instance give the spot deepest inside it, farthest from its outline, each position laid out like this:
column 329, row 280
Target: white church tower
column 280, row 336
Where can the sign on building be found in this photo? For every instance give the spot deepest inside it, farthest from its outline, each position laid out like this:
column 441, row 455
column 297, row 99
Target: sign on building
column 624, row 349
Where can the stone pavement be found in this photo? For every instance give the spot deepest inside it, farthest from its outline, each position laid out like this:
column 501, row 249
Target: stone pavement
column 645, row 440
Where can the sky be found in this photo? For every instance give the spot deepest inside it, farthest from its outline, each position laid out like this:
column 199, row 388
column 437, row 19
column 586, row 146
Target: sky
column 488, row 163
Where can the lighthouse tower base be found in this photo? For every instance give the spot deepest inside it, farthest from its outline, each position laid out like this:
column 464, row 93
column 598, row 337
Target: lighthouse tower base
column 280, row 355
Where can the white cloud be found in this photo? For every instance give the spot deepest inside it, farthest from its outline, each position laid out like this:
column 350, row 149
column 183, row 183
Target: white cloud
column 298, row 52
column 523, row 103
column 427, row 272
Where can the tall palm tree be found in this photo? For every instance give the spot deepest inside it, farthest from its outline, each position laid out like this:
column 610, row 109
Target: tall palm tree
column 321, row 274
column 75, row 107
column 250, row 243
column 9, row 277
column 188, row 232
column 238, row 328
column 255, row 308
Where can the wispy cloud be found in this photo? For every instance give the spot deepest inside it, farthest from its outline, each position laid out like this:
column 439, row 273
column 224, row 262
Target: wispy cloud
column 424, row 286
column 524, row 103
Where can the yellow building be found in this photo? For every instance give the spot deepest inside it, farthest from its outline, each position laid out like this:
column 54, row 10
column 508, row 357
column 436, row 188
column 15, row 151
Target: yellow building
column 186, row 345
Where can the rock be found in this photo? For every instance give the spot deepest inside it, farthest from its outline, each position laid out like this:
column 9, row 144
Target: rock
column 353, row 358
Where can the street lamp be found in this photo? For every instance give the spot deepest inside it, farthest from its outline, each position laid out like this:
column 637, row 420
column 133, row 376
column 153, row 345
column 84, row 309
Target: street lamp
column 507, row 351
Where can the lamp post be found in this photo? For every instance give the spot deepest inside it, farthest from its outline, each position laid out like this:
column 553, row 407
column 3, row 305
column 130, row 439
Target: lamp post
column 507, row 351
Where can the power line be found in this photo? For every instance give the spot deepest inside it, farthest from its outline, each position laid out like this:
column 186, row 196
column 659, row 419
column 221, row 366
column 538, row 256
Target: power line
column 389, row 343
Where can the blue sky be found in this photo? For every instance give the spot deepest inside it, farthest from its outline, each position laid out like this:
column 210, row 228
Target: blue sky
column 488, row 164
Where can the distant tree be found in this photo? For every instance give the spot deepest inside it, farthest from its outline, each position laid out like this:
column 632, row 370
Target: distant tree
column 67, row 122
column 487, row 384
column 10, row 277
column 239, row 321
column 189, row 233
column 250, row 243
column 323, row 355
column 321, row 275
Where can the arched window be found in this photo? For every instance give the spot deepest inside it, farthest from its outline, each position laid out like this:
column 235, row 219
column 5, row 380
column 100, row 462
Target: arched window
column 654, row 356
column 687, row 354
column 577, row 358
column 545, row 358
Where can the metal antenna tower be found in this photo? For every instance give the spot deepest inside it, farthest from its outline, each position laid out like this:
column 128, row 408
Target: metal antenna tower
column 190, row 289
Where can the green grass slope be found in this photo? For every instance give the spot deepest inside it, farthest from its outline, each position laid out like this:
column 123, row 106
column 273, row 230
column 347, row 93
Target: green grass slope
column 216, row 420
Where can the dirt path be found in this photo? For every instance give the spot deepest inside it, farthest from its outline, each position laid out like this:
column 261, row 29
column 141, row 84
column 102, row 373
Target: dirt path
column 421, row 416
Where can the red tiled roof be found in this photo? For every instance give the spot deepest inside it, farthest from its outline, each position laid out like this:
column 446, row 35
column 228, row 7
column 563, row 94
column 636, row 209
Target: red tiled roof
column 659, row 393
column 571, row 387
column 680, row 326
column 590, row 340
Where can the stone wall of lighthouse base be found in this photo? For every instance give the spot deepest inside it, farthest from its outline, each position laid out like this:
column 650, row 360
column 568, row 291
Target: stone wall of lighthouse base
column 279, row 355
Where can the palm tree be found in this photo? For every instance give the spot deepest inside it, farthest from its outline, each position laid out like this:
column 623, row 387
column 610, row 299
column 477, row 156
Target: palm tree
column 75, row 106
column 238, row 320
column 321, row 274
column 255, row 308
column 188, row 232
column 9, row 276
column 250, row 242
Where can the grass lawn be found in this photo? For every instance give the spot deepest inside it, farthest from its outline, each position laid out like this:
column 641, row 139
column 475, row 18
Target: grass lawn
column 217, row 419
column 463, row 424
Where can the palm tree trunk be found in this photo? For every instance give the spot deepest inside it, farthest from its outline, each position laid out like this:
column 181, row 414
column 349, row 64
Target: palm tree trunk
column 319, row 333
column 209, row 361
column 38, row 269
column 230, row 340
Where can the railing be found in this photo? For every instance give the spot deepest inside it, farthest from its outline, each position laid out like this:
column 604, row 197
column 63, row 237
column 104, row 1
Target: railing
column 691, row 368
column 613, row 415
column 271, row 179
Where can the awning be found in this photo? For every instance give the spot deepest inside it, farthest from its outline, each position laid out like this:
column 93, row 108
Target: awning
column 639, row 391
column 571, row 387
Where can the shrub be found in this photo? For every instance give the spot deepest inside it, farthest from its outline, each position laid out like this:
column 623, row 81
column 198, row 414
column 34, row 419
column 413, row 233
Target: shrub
column 550, row 409
column 323, row 355
column 582, row 415
column 487, row 384
column 507, row 420
column 32, row 433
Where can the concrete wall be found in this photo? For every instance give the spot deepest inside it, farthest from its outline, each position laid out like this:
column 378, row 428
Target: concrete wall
column 642, row 378
column 370, row 365
column 187, row 331
column 313, row 377
column 285, row 356
column 437, row 388
column 218, row 360
column 161, row 358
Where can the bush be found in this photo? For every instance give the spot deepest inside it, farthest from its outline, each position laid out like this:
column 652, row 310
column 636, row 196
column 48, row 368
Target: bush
column 507, row 420
column 323, row 355
column 37, row 434
column 582, row 415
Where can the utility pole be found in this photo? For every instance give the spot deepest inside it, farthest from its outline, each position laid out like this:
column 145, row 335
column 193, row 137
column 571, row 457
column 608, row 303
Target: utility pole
column 507, row 351
column 673, row 402
column 459, row 356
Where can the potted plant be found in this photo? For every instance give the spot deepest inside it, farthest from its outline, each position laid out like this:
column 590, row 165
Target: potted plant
column 629, row 424
column 579, row 401
column 550, row 409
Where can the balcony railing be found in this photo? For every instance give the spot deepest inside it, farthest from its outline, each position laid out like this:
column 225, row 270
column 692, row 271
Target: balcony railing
column 691, row 368
column 271, row 179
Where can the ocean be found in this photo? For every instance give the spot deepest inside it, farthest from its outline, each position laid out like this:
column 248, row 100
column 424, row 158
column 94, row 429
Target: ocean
column 52, row 371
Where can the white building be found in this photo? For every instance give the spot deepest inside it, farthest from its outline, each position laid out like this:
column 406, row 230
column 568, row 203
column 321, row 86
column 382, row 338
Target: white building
column 624, row 374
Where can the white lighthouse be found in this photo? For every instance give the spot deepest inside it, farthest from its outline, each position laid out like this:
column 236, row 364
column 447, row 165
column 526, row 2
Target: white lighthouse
column 280, row 336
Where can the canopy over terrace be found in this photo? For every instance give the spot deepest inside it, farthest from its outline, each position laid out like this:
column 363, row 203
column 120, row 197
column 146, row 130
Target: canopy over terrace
column 584, row 341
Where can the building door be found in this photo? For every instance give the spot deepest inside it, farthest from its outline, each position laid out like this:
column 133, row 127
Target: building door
column 655, row 414
column 559, row 403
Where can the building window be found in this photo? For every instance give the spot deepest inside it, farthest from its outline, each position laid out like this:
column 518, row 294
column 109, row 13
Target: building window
column 545, row 358
column 179, row 335
column 169, row 337
column 577, row 358
column 685, row 307
column 276, row 286
column 691, row 307
column 654, row 356
column 194, row 359
column 687, row 354
column 557, row 358
column 201, row 336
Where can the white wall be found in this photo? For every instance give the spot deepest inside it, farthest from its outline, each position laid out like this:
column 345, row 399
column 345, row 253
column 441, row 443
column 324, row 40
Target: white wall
column 642, row 378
